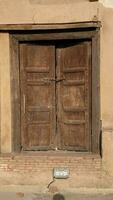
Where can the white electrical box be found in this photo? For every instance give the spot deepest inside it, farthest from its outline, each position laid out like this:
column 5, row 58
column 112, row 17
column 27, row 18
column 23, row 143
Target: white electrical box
column 61, row 173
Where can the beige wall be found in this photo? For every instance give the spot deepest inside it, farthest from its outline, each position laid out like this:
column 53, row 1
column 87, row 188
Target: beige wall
column 46, row 11
column 107, row 68
column 52, row 11
column 107, row 3
column 107, row 86
column 5, row 94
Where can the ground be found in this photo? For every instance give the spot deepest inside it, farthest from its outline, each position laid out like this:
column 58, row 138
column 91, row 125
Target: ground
column 36, row 196
column 24, row 193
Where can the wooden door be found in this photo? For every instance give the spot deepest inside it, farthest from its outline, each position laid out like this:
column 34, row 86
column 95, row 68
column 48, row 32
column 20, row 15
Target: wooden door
column 56, row 95
column 37, row 70
column 74, row 95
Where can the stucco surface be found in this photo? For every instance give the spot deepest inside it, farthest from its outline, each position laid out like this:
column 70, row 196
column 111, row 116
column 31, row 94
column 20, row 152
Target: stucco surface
column 107, row 3
column 108, row 152
column 106, row 67
column 45, row 11
column 5, row 94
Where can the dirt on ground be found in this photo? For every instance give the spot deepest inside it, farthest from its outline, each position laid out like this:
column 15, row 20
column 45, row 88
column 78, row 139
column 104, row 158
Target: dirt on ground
column 57, row 196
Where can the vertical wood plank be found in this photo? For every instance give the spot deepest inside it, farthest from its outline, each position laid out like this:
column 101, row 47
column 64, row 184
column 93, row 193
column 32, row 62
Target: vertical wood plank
column 96, row 93
column 15, row 94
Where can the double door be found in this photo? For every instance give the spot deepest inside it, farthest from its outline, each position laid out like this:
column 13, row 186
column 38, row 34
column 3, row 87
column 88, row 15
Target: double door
column 55, row 88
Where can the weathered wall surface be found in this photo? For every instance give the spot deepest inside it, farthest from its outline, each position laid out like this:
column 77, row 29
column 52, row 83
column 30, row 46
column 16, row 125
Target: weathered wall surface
column 60, row 11
column 106, row 67
column 37, row 169
column 107, row 84
column 46, row 11
column 107, row 3
column 5, row 94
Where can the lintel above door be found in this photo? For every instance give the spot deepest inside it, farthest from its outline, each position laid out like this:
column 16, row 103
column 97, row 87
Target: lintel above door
column 57, row 26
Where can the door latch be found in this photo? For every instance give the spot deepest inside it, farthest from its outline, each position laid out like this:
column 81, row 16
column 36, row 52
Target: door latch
column 59, row 80
column 55, row 80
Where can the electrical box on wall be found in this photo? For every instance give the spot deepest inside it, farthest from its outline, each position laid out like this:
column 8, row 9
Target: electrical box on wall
column 61, row 173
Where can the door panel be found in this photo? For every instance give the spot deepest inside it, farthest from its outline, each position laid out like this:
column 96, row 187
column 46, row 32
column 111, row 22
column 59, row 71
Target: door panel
column 37, row 66
column 74, row 135
column 74, row 92
column 40, row 95
column 74, row 96
column 74, row 56
column 38, row 135
column 38, row 57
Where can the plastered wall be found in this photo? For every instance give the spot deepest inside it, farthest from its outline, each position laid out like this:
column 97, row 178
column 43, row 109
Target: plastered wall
column 107, row 84
column 5, row 106
column 46, row 11
column 60, row 11
column 107, row 3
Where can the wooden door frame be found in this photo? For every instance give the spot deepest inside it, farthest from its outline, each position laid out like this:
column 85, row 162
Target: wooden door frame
column 59, row 33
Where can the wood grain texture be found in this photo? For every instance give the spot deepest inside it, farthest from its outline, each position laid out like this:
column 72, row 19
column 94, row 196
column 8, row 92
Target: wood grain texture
column 10, row 27
column 37, row 95
column 74, row 129
column 96, row 93
column 15, row 95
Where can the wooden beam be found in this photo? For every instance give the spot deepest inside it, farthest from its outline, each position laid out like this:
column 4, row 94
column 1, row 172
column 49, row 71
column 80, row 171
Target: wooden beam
column 10, row 27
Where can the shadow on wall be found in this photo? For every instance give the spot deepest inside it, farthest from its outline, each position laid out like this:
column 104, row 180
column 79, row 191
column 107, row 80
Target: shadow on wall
column 58, row 197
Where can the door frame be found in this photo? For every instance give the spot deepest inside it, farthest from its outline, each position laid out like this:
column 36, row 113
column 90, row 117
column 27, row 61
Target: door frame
column 60, row 33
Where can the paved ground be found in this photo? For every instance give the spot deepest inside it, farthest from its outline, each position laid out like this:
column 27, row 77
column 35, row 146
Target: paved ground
column 36, row 196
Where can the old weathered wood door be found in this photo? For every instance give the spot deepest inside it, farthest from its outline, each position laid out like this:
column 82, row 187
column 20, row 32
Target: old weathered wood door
column 56, row 95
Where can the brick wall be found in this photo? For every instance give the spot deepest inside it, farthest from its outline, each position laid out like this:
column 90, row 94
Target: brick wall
column 37, row 168
column 27, row 163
